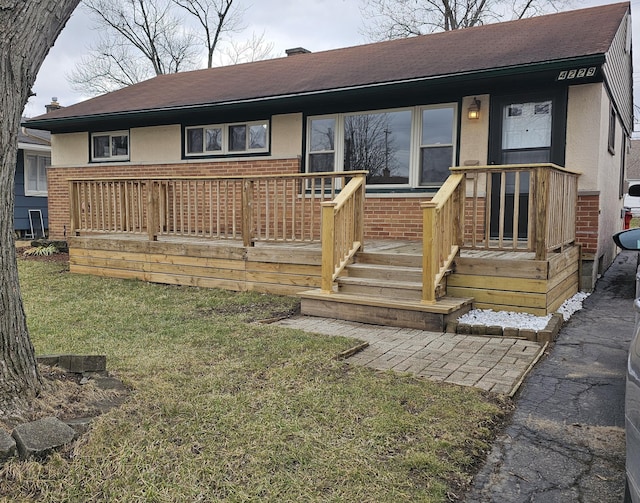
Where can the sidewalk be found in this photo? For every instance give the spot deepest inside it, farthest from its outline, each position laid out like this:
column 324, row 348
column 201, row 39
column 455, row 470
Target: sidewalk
column 494, row 364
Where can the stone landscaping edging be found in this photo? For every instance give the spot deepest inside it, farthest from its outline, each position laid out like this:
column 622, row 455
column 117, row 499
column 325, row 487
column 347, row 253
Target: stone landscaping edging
column 78, row 364
column 546, row 335
column 38, row 439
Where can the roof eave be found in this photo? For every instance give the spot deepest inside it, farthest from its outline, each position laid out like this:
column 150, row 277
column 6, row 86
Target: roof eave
column 54, row 124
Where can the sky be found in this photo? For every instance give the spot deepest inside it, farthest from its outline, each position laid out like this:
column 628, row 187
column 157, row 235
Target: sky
column 313, row 24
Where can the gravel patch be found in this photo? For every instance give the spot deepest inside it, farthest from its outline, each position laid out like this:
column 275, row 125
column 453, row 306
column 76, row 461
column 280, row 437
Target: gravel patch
column 509, row 319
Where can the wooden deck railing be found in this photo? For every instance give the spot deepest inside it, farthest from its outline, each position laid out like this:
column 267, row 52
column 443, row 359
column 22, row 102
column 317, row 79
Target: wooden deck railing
column 442, row 234
column 254, row 208
column 342, row 230
column 529, row 208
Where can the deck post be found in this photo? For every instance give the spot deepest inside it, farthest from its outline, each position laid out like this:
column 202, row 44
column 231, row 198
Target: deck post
column 247, row 212
column 359, row 213
column 328, row 246
column 541, row 198
column 74, row 223
column 429, row 253
column 459, row 214
column 152, row 210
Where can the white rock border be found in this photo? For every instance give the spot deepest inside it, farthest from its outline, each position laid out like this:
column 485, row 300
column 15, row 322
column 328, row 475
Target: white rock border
column 518, row 325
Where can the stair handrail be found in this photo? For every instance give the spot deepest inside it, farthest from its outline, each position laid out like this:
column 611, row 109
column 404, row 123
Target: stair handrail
column 342, row 229
column 442, row 233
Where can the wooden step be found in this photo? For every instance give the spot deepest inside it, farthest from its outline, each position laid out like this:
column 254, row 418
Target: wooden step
column 396, row 259
column 374, row 287
column 384, row 272
column 384, row 311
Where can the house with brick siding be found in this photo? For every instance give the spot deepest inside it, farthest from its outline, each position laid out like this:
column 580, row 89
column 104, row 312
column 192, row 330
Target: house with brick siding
column 524, row 125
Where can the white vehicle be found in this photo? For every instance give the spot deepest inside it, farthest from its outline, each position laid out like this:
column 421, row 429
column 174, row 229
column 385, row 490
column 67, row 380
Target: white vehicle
column 632, row 200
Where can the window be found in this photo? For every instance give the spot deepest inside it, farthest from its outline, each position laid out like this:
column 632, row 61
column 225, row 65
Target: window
column 204, row 140
column 623, row 162
column 436, row 146
column 405, row 147
column 112, row 146
column 379, row 143
column 227, row 139
column 321, row 145
column 527, row 132
column 612, row 131
column 35, row 174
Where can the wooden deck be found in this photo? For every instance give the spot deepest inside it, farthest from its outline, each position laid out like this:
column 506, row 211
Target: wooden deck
column 260, row 233
column 305, row 234
column 283, row 268
column 499, row 280
column 515, row 281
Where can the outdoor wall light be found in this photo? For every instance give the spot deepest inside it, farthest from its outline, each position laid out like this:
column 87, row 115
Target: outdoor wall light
column 473, row 112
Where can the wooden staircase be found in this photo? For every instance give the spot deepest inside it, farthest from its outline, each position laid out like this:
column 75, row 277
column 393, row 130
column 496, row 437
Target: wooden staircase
column 383, row 289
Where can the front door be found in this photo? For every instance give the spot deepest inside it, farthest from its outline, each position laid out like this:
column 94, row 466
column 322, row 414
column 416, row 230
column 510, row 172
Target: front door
column 522, row 133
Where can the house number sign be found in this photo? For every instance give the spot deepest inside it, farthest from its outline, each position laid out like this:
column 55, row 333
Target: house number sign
column 578, row 73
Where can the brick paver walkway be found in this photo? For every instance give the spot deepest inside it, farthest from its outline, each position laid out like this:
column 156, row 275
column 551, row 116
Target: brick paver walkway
column 495, row 364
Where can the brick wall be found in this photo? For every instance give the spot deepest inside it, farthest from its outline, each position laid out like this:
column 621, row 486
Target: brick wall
column 587, row 219
column 396, row 217
column 58, row 179
column 479, row 231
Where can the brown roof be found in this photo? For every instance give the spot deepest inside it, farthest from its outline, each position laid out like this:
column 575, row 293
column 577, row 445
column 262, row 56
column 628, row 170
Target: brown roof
column 561, row 36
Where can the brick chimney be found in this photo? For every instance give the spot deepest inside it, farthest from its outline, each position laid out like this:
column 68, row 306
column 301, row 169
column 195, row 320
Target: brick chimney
column 297, row 50
column 54, row 105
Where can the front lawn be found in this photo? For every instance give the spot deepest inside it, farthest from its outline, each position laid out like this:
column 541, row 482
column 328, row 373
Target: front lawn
column 223, row 409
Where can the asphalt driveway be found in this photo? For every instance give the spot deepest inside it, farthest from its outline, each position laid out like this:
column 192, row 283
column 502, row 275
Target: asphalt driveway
column 566, row 439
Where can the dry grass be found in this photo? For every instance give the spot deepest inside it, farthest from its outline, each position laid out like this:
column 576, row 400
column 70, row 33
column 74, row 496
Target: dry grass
column 62, row 396
column 225, row 410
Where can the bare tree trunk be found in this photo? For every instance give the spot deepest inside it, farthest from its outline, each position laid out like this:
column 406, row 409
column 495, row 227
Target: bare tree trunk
column 28, row 31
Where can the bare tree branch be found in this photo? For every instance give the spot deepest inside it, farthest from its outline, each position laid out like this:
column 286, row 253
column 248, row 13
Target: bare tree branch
column 216, row 17
column 254, row 49
column 389, row 19
column 109, row 66
column 139, row 39
column 143, row 38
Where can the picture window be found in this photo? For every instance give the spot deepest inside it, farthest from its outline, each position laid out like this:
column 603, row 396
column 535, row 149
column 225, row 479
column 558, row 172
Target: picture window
column 410, row 147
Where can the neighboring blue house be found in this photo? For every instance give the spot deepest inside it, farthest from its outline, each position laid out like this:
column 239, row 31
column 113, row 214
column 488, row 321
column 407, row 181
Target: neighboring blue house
column 34, row 156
